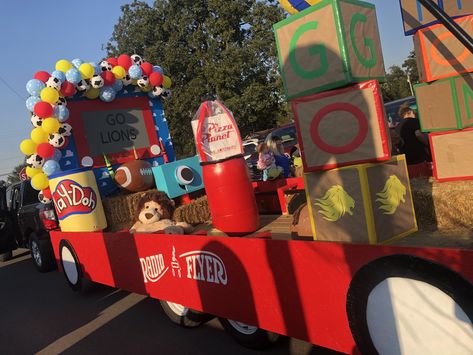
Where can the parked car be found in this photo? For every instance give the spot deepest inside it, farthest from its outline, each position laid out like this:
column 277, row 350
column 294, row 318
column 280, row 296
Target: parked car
column 7, row 231
column 31, row 222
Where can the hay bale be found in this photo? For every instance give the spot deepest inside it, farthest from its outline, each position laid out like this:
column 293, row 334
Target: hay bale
column 196, row 212
column 443, row 206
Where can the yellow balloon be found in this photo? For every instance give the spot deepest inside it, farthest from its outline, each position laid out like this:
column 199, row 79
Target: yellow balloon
column 50, row 125
column 63, row 65
column 39, row 136
column 119, row 72
column 167, row 82
column 28, row 147
column 49, row 95
column 30, row 172
column 40, row 181
column 92, row 93
column 86, row 70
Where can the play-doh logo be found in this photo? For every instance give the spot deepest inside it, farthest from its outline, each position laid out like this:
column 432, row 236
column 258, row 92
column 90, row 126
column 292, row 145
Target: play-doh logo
column 205, row 266
column 71, row 198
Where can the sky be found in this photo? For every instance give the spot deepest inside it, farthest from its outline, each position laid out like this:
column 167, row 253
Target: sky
column 34, row 35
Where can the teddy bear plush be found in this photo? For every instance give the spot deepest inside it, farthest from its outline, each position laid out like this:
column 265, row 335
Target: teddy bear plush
column 154, row 213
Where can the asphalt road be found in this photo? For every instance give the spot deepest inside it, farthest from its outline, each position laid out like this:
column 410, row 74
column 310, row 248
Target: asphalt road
column 40, row 314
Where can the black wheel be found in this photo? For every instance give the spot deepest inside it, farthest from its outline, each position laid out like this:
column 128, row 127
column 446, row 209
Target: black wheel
column 6, row 256
column 184, row 316
column 71, row 267
column 42, row 254
column 402, row 304
column 249, row 336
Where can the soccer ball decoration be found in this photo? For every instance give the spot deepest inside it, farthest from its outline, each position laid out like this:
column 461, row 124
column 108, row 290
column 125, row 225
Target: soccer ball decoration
column 84, row 79
column 105, row 66
column 136, row 59
column 143, row 82
column 43, row 198
column 97, row 81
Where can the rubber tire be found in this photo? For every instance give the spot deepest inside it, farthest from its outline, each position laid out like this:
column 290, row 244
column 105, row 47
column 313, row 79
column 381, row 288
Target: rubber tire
column 191, row 319
column 72, row 269
column 259, row 340
column 404, row 266
column 44, row 260
column 6, row 256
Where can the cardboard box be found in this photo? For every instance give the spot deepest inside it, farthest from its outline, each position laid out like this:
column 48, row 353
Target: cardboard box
column 329, row 45
column 342, row 127
column 445, row 104
column 439, row 54
column 452, row 154
column 367, row 203
column 415, row 16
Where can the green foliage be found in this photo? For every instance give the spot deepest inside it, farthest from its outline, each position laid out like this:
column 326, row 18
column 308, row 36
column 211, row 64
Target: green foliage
column 397, row 79
column 226, row 48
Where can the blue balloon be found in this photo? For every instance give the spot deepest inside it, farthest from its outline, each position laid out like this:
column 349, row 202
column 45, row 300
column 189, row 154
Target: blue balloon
column 31, row 101
column 117, row 85
column 77, row 62
column 59, row 75
column 135, row 72
column 51, row 167
column 107, row 94
column 34, row 87
column 97, row 70
column 61, row 113
column 73, row 76
column 157, row 68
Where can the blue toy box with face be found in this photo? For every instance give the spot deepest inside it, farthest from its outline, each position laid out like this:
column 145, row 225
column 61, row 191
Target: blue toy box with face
column 179, row 177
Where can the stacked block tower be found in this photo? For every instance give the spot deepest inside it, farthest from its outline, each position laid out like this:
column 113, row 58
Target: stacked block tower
column 331, row 61
column 445, row 96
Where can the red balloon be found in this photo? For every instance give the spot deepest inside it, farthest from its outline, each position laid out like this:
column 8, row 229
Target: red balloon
column 42, row 75
column 108, row 78
column 113, row 61
column 45, row 150
column 156, row 79
column 124, row 61
column 47, row 193
column 147, row 68
column 43, row 109
column 67, row 89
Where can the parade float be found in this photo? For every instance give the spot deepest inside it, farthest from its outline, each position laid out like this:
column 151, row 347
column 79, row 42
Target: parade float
column 362, row 281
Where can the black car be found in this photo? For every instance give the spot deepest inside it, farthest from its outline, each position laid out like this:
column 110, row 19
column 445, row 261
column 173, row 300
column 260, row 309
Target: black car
column 31, row 222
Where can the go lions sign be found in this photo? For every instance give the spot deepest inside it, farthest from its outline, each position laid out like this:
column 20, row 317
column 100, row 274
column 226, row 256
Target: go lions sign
column 198, row 265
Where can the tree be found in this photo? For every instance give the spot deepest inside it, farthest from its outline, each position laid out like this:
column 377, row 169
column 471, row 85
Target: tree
column 397, row 84
column 226, row 48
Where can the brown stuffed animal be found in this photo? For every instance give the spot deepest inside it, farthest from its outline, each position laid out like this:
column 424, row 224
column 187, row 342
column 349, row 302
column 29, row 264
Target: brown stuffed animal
column 154, row 213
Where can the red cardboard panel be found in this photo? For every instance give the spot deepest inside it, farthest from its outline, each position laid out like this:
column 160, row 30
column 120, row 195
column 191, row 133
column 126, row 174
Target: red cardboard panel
column 452, row 154
column 342, row 127
column 440, row 53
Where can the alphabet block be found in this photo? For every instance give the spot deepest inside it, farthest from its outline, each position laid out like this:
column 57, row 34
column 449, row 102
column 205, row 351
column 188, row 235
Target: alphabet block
column 451, row 154
column 415, row 16
column 367, row 203
column 329, row 45
column 342, row 127
column 179, row 177
column 446, row 104
column 439, row 54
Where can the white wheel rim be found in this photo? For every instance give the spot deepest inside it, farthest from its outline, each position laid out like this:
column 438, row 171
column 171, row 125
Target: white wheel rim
column 242, row 327
column 407, row 316
column 36, row 253
column 177, row 308
column 69, row 265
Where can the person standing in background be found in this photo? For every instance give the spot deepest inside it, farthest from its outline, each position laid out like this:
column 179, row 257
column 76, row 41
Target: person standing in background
column 282, row 160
